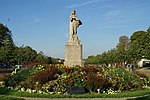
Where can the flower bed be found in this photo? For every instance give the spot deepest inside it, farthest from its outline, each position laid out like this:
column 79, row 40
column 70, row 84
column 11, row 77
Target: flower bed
column 59, row 80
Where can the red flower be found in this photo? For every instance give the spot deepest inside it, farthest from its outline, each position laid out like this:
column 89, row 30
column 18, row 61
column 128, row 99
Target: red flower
column 75, row 72
column 85, row 77
column 65, row 69
column 66, row 81
column 71, row 81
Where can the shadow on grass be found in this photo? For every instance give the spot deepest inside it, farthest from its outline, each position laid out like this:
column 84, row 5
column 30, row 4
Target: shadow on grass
column 4, row 94
column 4, row 91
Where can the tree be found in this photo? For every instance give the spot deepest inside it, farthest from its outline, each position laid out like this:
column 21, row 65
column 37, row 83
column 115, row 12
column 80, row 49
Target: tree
column 7, row 46
column 5, row 36
column 26, row 54
column 41, row 58
column 127, row 50
column 90, row 60
column 139, row 43
column 122, row 49
column 147, row 44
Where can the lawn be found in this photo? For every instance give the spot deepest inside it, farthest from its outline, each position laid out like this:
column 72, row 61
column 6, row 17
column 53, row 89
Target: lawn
column 145, row 71
column 3, row 97
column 136, row 93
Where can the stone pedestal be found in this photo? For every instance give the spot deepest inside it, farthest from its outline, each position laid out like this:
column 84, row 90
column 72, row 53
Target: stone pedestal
column 73, row 54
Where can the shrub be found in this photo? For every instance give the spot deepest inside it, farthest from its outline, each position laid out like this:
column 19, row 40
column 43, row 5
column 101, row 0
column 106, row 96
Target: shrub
column 29, row 83
column 3, row 77
column 77, row 79
column 124, row 80
column 54, row 86
column 74, row 77
column 57, row 80
column 19, row 76
column 90, row 69
column 46, row 75
column 95, row 82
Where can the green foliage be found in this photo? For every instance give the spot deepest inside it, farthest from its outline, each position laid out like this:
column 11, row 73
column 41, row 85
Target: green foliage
column 124, row 80
column 54, row 86
column 127, row 50
column 37, row 78
column 7, row 54
column 7, row 46
column 138, row 45
column 96, row 82
column 51, row 79
column 74, row 77
column 25, row 54
column 5, row 36
column 46, row 75
column 19, row 76
column 91, row 60
column 2, row 97
column 112, row 80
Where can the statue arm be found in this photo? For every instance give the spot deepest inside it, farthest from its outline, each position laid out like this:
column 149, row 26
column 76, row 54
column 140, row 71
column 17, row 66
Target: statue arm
column 73, row 18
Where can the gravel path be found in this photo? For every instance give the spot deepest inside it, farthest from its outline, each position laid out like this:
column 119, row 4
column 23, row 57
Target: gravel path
column 75, row 98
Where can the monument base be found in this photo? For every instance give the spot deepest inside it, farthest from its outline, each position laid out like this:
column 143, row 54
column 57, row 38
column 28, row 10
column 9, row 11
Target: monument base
column 73, row 55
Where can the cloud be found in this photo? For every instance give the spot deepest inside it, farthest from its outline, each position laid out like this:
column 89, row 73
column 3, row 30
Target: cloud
column 112, row 13
column 35, row 20
column 85, row 3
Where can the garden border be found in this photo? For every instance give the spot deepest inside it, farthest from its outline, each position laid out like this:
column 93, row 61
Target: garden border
column 133, row 94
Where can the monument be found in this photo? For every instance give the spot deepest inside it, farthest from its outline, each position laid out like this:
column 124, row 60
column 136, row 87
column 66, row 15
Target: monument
column 73, row 48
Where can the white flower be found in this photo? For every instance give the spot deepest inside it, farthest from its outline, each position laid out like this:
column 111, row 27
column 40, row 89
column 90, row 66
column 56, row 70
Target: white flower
column 23, row 89
column 1, row 83
column 98, row 90
column 33, row 91
column 29, row 90
column 104, row 92
column 40, row 92
column 111, row 91
column 51, row 92
column 58, row 92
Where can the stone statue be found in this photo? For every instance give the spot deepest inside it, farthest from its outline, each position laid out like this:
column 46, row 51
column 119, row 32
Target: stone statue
column 73, row 48
column 74, row 23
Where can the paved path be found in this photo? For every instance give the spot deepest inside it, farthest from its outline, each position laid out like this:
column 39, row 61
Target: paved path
column 74, row 98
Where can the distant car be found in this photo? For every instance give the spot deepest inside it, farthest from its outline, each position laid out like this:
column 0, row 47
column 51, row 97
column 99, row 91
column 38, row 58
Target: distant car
column 144, row 63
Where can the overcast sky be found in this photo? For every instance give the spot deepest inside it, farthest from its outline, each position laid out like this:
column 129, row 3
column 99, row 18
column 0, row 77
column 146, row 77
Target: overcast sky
column 44, row 24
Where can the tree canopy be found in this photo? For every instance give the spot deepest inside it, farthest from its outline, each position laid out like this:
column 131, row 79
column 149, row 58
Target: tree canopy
column 12, row 54
column 5, row 36
column 128, row 50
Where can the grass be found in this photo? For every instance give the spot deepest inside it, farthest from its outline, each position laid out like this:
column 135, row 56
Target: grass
column 37, row 95
column 3, row 97
column 145, row 71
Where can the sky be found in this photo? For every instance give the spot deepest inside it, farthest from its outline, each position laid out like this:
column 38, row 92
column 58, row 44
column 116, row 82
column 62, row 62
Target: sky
column 44, row 24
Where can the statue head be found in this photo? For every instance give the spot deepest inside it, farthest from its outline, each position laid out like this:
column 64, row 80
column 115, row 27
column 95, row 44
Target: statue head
column 73, row 12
